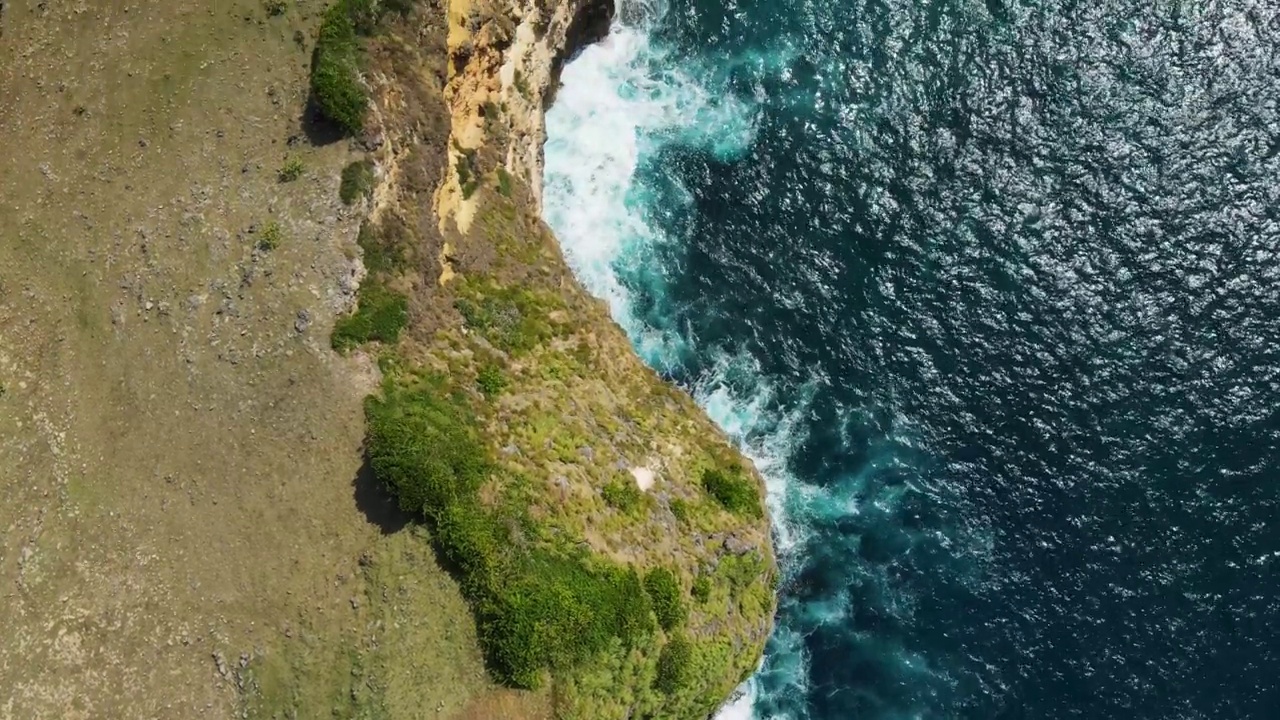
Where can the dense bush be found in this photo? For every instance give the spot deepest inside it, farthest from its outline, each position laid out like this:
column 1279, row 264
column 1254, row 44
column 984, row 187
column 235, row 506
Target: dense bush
column 664, row 590
column 623, row 494
column 335, row 66
column 701, row 588
column 734, row 490
column 535, row 610
column 491, row 380
column 270, row 236
column 674, row 665
column 555, row 612
column 357, row 181
column 291, row 170
column 425, row 449
column 380, row 315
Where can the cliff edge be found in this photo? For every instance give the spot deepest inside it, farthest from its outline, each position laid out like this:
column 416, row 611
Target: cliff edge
column 613, row 546
column 228, row 328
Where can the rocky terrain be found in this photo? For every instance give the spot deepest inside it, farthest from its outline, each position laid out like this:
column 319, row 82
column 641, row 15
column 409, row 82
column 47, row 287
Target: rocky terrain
column 188, row 526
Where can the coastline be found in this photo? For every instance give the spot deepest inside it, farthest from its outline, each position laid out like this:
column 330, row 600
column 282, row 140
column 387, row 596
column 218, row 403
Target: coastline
column 487, row 232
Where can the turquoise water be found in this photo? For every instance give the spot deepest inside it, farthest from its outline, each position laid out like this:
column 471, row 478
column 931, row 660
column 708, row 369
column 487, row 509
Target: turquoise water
column 990, row 292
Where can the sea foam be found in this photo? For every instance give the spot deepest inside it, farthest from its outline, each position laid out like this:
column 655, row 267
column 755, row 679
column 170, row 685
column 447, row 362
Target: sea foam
column 622, row 99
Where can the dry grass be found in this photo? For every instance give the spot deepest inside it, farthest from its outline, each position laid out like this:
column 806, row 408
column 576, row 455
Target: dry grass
column 179, row 442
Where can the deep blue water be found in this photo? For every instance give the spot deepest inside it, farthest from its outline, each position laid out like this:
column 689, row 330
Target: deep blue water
column 991, row 292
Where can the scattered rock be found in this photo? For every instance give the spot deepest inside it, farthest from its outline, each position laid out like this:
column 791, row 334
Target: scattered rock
column 736, row 545
column 302, row 321
column 644, row 477
column 371, row 141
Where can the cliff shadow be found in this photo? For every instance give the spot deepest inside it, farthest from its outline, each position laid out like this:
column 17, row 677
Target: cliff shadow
column 376, row 503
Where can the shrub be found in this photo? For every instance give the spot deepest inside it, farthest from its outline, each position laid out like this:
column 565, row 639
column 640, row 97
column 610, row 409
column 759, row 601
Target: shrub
column 292, row 170
column 357, row 182
column 623, row 494
column 680, row 508
column 674, row 665
column 734, row 490
column 491, row 380
column 274, row 8
column 425, row 449
column 556, row 613
column 468, row 179
column 270, row 236
column 664, row 590
column 380, row 315
column 535, row 610
column 504, row 182
column 702, row 588
column 383, row 250
column 335, row 68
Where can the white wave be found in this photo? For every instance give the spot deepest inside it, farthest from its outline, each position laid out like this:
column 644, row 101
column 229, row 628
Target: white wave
column 621, row 100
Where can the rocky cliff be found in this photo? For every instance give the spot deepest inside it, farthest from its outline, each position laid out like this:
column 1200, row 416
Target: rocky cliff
column 605, row 484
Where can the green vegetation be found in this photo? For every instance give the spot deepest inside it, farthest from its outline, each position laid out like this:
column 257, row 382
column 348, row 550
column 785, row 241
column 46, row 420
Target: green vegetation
column 468, row 178
column 734, row 490
column 491, row 380
column 664, row 590
column 291, row 170
column 504, row 182
column 357, row 182
column 335, row 64
column 514, row 319
column 623, row 494
column 384, row 251
column 537, row 610
column 270, row 236
column 674, row 665
column 380, row 315
column 701, row 588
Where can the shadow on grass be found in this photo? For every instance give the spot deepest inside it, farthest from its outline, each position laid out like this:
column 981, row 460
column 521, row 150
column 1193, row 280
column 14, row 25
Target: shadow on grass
column 377, row 503
column 319, row 129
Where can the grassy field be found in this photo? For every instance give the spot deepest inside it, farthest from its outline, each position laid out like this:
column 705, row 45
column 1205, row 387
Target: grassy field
column 180, row 517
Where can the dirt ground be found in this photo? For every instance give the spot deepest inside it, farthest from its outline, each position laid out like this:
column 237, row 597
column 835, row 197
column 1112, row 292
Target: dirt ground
column 181, row 519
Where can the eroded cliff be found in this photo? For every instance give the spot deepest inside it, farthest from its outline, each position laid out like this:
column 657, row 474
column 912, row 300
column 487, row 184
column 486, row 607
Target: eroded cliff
column 613, row 546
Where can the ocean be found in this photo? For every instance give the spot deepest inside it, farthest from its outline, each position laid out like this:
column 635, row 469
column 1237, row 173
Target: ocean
column 990, row 292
